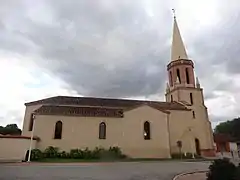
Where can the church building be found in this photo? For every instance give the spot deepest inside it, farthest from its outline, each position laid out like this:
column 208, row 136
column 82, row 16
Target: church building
column 142, row 129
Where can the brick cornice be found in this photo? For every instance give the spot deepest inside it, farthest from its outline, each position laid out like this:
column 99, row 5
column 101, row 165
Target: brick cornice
column 180, row 62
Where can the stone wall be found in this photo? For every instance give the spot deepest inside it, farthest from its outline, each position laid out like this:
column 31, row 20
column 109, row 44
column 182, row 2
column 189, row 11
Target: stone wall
column 14, row 148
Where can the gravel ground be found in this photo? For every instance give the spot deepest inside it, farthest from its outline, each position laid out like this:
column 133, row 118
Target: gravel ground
column 98, row 171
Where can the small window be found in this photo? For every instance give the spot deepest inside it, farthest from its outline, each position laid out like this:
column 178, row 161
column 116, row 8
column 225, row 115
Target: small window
column 193, row 114
column 146, row 130
column 102, row 130
column 191, row 98
column 58, row 130
column 31, row 122
column 178, row 75
column 187, row 76
column 171, row 82
column 171, row 98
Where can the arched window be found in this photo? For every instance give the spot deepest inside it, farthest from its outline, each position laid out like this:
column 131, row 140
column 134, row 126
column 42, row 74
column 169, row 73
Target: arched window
column 58, row 130
column 102, row 130
column 171, row 98
column 178, row 75
column 171, row 83
column 147, row 130
column 187, row 76
column 191, row 98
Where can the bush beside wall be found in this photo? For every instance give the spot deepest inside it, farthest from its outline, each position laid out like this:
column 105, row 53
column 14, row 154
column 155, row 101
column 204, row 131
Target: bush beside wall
column 97, row 153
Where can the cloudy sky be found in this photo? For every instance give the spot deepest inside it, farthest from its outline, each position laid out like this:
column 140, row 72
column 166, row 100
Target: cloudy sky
column 115, row 48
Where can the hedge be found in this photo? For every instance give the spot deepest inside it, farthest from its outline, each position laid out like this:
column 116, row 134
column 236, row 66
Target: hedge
column 97, row 153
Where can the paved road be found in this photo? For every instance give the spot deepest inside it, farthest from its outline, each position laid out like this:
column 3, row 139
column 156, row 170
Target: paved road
column 97, row 171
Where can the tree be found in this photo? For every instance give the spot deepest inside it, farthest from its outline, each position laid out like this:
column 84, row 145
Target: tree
column 10, row 129
column 230, row 127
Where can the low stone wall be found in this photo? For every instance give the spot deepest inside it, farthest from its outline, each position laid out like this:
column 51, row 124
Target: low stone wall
column 14, row 148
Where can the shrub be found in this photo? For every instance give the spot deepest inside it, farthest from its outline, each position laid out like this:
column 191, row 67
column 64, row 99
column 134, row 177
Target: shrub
column 237, row 174
column 112, row 153
column 221, row 169
column 87, row 154
column 36, row 154
column 97, row 153
column 51, row 152
column 116, row 151
column 76, row 154
column 62, row 154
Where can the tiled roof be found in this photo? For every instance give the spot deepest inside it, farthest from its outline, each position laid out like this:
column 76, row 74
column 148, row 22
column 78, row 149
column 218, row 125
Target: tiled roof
column 106, row 102
column 79, row 111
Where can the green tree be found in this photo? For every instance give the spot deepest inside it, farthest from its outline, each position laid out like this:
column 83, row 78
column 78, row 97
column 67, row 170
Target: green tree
column 230, row 127
column 10, row 129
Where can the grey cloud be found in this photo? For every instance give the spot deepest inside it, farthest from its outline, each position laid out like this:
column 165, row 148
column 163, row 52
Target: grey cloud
column 114, row 49
column 220, row 45
column 102, row 53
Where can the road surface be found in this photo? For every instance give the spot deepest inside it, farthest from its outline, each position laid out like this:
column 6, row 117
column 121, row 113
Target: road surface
column 99, row 171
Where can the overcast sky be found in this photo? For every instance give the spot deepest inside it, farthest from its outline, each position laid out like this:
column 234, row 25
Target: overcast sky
column 115, row 48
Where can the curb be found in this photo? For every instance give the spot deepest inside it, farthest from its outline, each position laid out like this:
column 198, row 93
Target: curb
column 186, row 173
column 55, row 164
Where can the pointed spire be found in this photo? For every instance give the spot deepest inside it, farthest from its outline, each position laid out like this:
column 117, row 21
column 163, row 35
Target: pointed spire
column 178, row 49
column 197, row 83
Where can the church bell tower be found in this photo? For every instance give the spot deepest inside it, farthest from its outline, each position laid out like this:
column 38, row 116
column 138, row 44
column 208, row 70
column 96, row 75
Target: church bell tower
column 184, row 88
column 181, row 80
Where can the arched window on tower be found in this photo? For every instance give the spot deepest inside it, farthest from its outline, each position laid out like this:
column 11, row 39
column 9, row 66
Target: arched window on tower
column 178, row 75
column 146, row 132
column 187, row 76
column 171, row 82
column 58, row 130
column 191, row 98
column 102, row 130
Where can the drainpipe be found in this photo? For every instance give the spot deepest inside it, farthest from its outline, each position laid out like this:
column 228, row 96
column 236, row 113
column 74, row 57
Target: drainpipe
column 168, row 129
column 31, row 141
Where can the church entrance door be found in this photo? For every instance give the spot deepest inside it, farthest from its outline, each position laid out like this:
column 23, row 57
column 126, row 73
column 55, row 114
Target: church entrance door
column 197, row 146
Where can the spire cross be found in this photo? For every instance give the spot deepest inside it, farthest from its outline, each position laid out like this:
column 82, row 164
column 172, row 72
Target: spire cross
column 174, row 14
